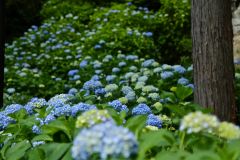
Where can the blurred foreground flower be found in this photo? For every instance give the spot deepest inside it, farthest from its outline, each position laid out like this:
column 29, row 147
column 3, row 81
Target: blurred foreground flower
column 107, row 140
column 198, row 122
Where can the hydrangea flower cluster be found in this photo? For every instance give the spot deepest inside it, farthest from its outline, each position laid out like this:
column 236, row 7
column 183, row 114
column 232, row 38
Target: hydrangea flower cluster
column 5, row 121
column 12, row 109
column 59, row 100
column 35, row 103
column 118, row 106
column 81, row 107
column 141, row 109
column 92, row 85
column 198, row 122
column 105, row 139
column 93, row 117
column 111, row 87
column 153, row 120
column 228, row 131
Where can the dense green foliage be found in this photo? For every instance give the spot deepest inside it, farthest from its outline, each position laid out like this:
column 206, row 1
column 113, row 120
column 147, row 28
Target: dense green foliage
column 121, row 28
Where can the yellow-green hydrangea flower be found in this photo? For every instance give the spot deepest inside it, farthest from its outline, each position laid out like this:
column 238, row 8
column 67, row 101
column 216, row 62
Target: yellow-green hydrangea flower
column 228, row 130
column 198, row 122
column 123, row 100
column 141, row 100
column 92, row 117
column 151, row 128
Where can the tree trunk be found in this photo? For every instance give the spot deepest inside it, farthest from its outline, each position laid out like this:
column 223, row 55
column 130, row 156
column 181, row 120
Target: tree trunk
column 212, row 52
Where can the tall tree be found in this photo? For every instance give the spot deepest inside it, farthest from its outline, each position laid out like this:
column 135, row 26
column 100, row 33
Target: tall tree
column 212, row 43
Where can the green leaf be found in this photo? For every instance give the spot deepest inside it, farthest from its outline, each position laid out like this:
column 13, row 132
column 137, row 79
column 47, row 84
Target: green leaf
column 168, row 155
column 179, row 110
column 54, row 151
column 42, row 137
column 18, row 150
column 200, row 155
column 21, row 114
column 68, row 155
column 36, row 154
column 136, row 123
column 183, row 92
column 58, row 125
column 154, row 139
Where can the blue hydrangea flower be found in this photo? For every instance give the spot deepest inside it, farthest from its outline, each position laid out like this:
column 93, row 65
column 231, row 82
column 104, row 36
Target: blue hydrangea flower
column 129, row 3
column 148, row 63
column 97, row 46
column 142, row 79
column 122, row 64
column 37, row 143
column 80, row 107
column 12, row 108
column 100, row 91
column 129, row 33
column 49, row 118
column 183, row 81
column 118, row 106
column 105, row 139
column 62, row 111
column 97, row 65
column 95, row 78
column 98, row 71
column 166, row 74
column 110, row 78
column 131, row 57
column 131, row 96
column 190, row 85
column 83, row 64
column 4, row 121
column 115, row 70
column 59, row 100
column 178, row 68
column 73, row 72
column 38, row 102
column 36, row 129
column 141, row 109
column 76, row 77
column 72, row 91
column 92, row 85
column 148, row 34
column 153, row 120
column 126, row 90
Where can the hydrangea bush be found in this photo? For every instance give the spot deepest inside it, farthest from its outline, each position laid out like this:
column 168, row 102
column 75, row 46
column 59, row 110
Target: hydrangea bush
column 98, row 91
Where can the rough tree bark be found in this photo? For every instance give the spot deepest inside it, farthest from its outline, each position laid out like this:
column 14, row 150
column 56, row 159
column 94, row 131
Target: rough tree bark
column 212, row 43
